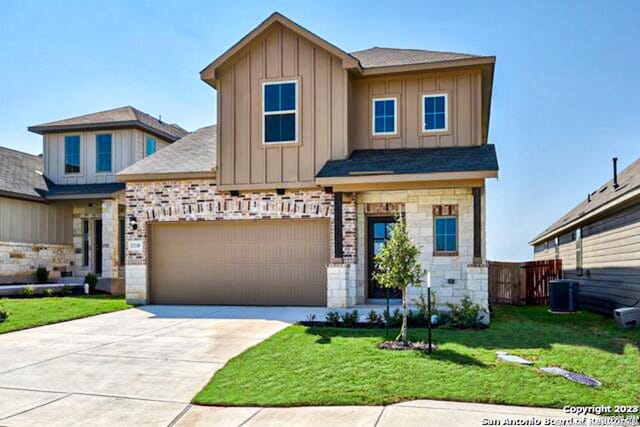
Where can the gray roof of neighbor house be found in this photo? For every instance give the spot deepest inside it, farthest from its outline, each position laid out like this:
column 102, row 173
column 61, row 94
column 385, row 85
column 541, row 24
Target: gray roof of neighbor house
column 122, row 117
column 21, row 174
column 413, row 161
column 194, row 154
column 390, row 57
column 628, row 181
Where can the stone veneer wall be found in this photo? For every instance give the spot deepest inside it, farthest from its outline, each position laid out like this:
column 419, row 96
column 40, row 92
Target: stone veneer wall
column 198, row 200
column 418, row 207
column 18, row 261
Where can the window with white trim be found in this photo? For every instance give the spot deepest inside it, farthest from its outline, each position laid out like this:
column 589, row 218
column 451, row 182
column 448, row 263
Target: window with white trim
column 434, row 113
column 280, row 112
column 385, row 116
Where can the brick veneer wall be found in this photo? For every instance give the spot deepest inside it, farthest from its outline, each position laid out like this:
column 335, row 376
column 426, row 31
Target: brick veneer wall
column 198, row 200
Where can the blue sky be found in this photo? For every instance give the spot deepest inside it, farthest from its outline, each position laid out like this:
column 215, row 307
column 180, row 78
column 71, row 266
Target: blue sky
column 566, row 91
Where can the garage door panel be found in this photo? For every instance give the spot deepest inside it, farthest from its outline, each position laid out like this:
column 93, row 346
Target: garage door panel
column 276, row 262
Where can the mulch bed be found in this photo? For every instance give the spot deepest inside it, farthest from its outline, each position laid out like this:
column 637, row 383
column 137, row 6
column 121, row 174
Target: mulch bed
column 399, row 345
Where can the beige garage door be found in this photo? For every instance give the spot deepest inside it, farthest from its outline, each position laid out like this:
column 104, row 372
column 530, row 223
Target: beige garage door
column 268, row 262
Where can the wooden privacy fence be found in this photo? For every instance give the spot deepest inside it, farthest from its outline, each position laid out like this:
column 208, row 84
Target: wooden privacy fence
column 522, row 283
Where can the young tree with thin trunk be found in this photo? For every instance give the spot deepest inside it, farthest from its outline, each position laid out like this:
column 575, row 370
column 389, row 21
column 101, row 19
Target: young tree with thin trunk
column 398, row 266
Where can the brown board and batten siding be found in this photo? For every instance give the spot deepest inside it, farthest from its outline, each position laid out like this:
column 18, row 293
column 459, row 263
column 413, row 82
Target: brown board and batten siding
column 32, row 222
column 465, row 109
column 280, row 54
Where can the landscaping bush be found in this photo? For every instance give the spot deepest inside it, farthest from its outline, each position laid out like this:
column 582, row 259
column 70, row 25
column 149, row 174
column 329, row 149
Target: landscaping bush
column 67, row 290
column 375, row 320
column 27, row 291
column 48, row 292
column 92, row 280
column 393, row 320
column 4, row 314
column 350, row 319
column 333, row 318
column 463, row 316
column 42, row 274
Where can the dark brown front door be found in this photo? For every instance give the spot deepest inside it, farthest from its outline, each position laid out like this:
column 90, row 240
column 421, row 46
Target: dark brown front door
column 379, row 231
column 98, row 246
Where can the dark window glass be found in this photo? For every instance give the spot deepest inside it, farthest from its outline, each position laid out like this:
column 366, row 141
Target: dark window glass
column 384, row 116
column 85, row 243
column 150, row 147
column 103, row 153
column 435, row 112
column 121, row 239
column 71, row 154
column 279, row 127
column 446, row 234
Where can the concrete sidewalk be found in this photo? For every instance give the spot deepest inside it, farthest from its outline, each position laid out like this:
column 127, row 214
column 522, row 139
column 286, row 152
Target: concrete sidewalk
column 421, row 413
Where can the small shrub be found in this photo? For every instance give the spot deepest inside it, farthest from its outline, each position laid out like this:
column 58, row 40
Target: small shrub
column 375, row 320
column 67, row 290
column 393, row 320
column 27, row 291
column 333, row 318
column 48, row 292
column 311, row 318
column 463, row 316
column 92, row 280
column 42, row 274
column 4, row 314
column 350, row 319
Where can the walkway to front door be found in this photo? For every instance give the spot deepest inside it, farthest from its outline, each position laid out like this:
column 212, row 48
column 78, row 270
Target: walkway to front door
column 379, row 231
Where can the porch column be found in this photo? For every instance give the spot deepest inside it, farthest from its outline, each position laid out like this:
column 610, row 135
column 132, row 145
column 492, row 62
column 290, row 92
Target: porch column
column 110, row 239
column 478, row 272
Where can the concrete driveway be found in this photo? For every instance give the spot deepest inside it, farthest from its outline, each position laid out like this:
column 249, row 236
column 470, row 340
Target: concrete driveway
column 135, row 367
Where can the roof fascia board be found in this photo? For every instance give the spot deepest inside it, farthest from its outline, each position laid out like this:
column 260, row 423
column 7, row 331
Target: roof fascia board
column 581, row 220
column 42, row 130
column 20, row 196
column 208, row 74
column 409, row 177
column 441, row 65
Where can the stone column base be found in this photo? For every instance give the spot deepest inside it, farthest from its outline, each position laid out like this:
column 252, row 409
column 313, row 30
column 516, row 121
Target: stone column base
column 341, row 285
column 136, row 285
column 478, row 287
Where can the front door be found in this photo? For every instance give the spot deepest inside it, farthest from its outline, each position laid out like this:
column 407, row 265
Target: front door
column 98, row 246
column 379, row 231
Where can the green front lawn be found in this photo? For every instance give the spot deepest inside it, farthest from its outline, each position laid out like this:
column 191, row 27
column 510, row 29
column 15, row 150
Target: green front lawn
column 30, row 312
column 333, row 366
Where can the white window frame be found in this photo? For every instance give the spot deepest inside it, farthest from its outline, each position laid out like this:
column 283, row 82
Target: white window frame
column 271, row 113
column 395, row 116
column 446, row 112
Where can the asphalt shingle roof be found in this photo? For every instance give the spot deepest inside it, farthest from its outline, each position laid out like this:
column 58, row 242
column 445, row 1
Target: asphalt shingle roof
column 70, row 190
column 21, row 173
column 628, row 180
column 389, row 57
column 196, row 152
column 123, row 115
column 413, row 160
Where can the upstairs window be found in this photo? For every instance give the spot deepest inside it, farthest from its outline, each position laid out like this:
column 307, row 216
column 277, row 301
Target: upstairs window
column 103, row 153
column 280, row 112
column 385, row 113
column 72, row 154
column 149, row 147
column 434, row 113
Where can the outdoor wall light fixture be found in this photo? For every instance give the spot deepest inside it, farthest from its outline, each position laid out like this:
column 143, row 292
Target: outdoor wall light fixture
column 133, row 224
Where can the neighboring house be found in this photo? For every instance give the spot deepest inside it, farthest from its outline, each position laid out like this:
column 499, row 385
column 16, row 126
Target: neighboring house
column 598, row 242
column 287, row 199
column 74, row 200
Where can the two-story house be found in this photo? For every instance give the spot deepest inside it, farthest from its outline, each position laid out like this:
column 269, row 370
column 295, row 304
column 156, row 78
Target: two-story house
column 66, row 211
column 288, row 198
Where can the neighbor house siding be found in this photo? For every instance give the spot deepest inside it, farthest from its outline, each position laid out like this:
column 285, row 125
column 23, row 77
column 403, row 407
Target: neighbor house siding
column 610, row 260
column 127, row 146
column 464, row 110
column 243, row 160
column 32, row 222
